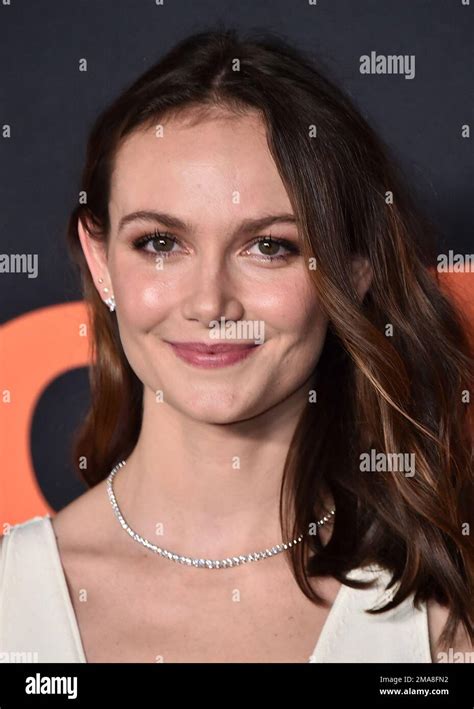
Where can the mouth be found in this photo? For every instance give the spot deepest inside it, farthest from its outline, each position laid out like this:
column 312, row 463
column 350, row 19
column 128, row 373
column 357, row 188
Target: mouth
column 207, row 356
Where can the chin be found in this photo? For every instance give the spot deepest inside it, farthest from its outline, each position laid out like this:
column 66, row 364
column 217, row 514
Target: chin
column 218, row 409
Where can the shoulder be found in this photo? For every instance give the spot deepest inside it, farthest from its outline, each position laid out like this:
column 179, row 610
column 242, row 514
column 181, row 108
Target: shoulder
column 30, row 528
column 86, row 523
column 82, row 520
column 22, row 549
column 437, row 618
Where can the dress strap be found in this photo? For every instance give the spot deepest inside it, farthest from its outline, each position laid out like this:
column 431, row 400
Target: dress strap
column 350, row 634
column 36, row 617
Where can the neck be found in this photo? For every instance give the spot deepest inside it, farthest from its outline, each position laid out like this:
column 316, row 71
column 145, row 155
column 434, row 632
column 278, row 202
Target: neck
column 208, row 490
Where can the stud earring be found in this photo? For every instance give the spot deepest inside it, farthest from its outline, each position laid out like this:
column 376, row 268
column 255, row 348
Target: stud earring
column 111, row 303
column 108, row 301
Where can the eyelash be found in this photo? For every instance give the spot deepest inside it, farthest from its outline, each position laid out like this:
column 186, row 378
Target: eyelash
column 142, row 241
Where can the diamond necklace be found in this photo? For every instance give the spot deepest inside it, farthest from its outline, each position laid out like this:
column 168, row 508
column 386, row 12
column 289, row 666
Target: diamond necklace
column 206, row 563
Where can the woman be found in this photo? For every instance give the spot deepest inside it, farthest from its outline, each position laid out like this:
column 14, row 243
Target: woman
column 277, row 449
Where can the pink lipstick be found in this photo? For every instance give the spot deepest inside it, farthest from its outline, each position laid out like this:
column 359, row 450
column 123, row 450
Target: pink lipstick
column 211, row 356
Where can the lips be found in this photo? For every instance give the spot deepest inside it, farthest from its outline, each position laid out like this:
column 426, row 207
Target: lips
column 212, row 356
column 203, row 348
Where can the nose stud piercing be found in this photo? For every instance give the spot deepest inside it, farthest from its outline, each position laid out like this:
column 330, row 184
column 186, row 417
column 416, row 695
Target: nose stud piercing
column 110, row 301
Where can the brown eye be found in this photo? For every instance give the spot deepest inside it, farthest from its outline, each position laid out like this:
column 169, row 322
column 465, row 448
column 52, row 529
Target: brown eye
column 272, row 249
column 161, row 242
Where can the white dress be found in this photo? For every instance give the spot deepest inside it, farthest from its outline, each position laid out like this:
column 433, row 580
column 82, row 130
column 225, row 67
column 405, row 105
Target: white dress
column 38, row 623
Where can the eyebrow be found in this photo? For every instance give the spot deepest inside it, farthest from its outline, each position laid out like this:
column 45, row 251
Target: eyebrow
column 172, row 222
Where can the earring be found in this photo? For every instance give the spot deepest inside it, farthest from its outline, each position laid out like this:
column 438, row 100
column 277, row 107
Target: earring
column 110, row 302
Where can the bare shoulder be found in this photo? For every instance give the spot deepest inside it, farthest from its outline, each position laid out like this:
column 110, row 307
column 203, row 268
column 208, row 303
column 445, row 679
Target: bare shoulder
column 84, row 521
column 437, row 618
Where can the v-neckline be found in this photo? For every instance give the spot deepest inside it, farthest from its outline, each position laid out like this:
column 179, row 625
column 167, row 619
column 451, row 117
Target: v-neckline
column 328, row 624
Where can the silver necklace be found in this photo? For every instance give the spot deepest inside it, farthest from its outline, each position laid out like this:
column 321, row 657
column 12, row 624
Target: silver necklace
column 205, row 563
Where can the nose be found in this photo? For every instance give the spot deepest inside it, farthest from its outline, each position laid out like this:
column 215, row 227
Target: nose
column 211, row 293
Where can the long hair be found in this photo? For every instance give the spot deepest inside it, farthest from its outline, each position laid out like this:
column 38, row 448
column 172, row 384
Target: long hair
column 394, row 366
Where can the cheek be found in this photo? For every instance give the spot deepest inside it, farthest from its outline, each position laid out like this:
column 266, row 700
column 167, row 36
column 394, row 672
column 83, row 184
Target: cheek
column 291, row 306
column 142, row 301
column 296, row 314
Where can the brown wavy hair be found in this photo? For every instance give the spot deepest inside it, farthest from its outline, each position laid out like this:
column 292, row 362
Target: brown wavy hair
column 397, row 393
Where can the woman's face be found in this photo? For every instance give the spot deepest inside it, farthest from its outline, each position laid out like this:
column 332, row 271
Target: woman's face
column 214, row 177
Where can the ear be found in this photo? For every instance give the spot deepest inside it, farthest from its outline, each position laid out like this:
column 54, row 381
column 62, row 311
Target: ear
column 95, row 253
column 361, row 275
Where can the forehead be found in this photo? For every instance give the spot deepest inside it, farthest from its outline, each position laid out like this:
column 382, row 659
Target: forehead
column 197, row 163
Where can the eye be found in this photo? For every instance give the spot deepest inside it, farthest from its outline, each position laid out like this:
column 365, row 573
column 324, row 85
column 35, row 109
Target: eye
column 269, row 247
column 161, row 243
